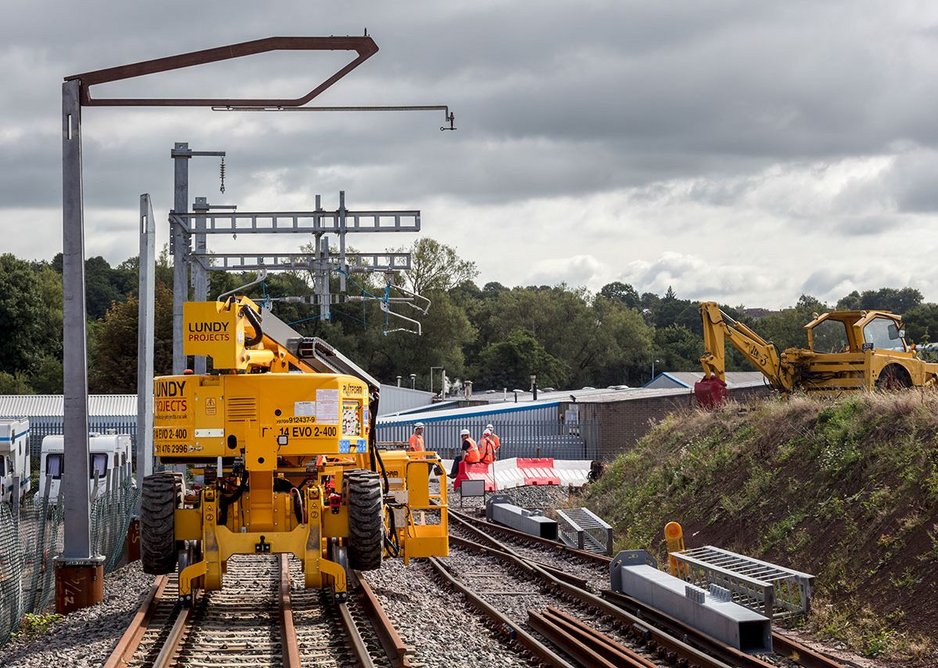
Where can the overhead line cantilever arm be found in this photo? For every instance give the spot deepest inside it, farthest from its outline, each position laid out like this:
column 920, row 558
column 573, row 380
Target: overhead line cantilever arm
column 718, row 327
column 448, row 116
column 364, row 46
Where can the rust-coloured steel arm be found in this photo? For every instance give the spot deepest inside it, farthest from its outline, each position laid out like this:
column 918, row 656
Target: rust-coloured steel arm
column 364, row 46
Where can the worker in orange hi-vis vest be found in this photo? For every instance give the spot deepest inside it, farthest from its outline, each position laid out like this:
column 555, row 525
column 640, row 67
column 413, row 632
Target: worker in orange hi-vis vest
column 487, row 447
column 498, row 440
column 470, row 449
column 469, row 452
column 415, row 443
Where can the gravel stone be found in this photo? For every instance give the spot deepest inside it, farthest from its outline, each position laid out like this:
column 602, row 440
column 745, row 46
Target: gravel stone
column 435, row 621
column 86, row 637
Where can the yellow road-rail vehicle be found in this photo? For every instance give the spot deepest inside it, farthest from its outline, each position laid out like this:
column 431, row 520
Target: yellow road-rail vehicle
column 283, row 431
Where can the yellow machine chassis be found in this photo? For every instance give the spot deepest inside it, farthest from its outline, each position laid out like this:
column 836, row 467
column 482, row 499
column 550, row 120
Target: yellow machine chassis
column 277, row 438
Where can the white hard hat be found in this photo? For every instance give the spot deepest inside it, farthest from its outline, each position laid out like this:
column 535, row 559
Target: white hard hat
column 489, row 426
column 464, row 432
column 487, row 432
column 419, row 425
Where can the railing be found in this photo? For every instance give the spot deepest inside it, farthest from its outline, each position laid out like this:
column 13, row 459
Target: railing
column 771, row 590
column 31, row 538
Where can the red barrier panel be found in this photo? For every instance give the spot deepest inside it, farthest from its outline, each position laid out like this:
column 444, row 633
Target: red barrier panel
column 479, row 471
column 538, row 471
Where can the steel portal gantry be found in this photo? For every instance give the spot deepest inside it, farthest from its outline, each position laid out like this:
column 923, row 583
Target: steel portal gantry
column 81, row 589
column 206, row 219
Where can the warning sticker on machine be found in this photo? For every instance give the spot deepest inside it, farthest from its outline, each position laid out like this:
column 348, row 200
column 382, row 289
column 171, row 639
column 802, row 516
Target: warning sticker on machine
column 304, row 408
column 327, row 406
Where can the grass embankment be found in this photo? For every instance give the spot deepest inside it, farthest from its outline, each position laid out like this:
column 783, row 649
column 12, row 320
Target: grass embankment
column 846, row 490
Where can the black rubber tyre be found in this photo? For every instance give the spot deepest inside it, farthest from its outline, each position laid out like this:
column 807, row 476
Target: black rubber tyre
column 365, row 520
column 893, row 378
column 160, row 495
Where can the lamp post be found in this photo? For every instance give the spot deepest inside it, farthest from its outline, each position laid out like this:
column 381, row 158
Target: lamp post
column 432, row 369
column 533, row 387
column 653, row 362
column 413, row 381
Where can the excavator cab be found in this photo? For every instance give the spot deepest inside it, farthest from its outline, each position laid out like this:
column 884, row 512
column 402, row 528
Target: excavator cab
column 855, row 332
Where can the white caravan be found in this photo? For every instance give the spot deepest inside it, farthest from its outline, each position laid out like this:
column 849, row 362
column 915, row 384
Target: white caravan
column 110, row 453
column 14, row 457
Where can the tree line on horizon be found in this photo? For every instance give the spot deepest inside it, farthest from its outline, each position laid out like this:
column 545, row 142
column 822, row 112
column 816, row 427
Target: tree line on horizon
column 493, row 335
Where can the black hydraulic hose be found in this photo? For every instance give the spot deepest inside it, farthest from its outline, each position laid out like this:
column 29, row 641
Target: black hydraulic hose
column 284, row 485
column 228, row 500
column 372, row 422
column 255, row 321
column 373, row 440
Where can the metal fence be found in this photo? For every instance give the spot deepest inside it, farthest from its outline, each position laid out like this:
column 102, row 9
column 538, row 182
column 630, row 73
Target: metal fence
column 31, row 538
column 40, row 427
column 519, row 438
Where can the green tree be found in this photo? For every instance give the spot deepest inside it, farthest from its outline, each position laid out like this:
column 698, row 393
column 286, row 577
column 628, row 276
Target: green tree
column 921, row 323
column 48, row 378
column 622, row 292
column 677, row 349
column 437, row 267
column 14, row 383
column 113, row 368
column 24, row 316
column 884, row 299
column 510, row 363
column 100, row 288
column 621, row 345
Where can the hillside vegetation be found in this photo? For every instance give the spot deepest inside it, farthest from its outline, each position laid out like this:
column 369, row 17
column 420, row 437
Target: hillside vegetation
column 845, row 489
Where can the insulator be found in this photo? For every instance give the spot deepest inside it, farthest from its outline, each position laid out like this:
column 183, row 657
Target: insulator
column 221, row 174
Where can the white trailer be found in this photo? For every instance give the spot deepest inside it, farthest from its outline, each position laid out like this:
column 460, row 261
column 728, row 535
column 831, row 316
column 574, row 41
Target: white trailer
column 109, row 453
column 14, row 457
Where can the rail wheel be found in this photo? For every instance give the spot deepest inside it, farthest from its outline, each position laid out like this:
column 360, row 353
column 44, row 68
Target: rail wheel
column 365, row 520
column 160, row 496
column 893, row 377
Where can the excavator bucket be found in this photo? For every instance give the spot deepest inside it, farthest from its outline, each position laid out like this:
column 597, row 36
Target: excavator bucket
column 710, row 392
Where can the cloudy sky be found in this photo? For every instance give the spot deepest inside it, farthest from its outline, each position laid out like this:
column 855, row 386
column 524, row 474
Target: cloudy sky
column 742, row 151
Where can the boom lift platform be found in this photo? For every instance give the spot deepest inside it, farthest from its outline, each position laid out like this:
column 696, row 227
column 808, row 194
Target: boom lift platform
column 284, row 430
column 847, row 351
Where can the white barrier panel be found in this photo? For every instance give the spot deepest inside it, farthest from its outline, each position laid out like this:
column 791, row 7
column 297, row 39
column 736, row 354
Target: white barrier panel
column 522, row 471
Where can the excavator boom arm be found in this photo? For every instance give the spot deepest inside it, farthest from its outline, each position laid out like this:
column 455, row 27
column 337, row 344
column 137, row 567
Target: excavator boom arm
column 718, row 328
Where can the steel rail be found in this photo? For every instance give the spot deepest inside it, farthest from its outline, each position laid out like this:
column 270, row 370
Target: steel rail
column 546, row 542
column 782, row 643
column 174, row 640
column 586, row 644
column 725, row 656
column 800, row 653
column 582, row 653
column 290, row 646
column 355, row 637
column 601, row 642
column 129, row 642
column 503, row 624
column 553, row 570
column 388, row 636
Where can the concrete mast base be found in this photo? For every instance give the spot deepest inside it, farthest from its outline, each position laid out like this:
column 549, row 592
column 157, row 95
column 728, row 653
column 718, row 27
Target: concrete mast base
column 79, row 583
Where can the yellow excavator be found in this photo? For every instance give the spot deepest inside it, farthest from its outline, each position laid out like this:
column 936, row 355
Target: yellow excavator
column 283, row 433
column 847, row 351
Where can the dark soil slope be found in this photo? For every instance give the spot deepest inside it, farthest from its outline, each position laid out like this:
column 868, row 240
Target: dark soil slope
column 846, row 490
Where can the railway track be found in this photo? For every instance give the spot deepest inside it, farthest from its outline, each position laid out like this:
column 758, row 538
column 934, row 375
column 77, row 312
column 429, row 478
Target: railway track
column 260, row 619
column 587, row 572
column 516, row 594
